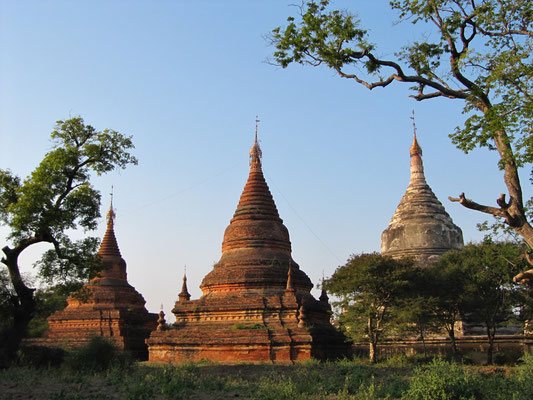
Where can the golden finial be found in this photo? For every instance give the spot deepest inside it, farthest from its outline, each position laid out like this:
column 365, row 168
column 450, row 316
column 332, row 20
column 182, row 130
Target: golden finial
column 111, row 213
column 255, row 151
column 415, row 147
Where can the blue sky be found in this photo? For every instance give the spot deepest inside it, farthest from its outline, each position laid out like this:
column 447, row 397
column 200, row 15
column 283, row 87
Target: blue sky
column 187, row 79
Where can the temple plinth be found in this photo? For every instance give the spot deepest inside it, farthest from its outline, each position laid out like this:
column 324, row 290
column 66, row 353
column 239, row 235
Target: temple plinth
column 256, row 304
column 420, row 227
column 107, row 306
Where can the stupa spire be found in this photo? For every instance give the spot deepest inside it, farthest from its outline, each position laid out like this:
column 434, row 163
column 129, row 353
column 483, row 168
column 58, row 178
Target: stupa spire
column 417, row 167
column 255, row 152
column 184, row 295
column 109, row 246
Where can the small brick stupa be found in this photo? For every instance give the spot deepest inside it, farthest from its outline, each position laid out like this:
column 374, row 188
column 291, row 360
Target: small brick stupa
column 420, row 228
column 256, row 304
column 107, row 306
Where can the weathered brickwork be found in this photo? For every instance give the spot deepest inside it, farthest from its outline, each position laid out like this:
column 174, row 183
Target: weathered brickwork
column 107, row 306
column 256, row 303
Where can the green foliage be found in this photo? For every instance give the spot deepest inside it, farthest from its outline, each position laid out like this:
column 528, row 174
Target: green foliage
column 524, row 378
column 41, row 357
column 369, row 287
column 309, row 381
column 490, row 47
column 476, row 284
column 248, row 326
column 7, row 296
column 96, row 356
column 442, row 380
column 58, row 196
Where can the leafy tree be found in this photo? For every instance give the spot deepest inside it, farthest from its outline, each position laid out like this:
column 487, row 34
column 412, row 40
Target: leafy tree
column 55, row 198
column 480, row 54
column 416, row 314
column 444, row 288
column 369, row 287
column 485, row 271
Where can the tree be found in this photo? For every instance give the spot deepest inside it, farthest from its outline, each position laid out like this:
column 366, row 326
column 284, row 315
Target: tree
column 488, row 296
column 369, row 286
column 444, row 289
column 481, row 56
column 55, row 198
column 416, row 315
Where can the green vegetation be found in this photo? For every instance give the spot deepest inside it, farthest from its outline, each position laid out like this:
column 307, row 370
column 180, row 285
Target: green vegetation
column 370, row 288
column 55, row 198
column 248, row 326
column 379, row 297
column 113, row 379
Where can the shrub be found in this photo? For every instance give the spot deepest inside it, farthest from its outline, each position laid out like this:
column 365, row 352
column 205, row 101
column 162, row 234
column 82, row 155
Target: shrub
column 40, row 356
column 96, row 356
column 442, row 380
column 524, row 378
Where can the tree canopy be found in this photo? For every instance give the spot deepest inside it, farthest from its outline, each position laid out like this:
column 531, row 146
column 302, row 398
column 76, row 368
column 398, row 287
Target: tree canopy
column 369, row 286
column 484, row 275
column 57, row 197
column 480, row 53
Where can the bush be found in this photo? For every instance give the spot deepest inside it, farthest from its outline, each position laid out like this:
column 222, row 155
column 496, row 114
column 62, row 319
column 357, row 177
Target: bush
column 40, row 356
column 96, row 356
column 524, row 378
column 442, row 380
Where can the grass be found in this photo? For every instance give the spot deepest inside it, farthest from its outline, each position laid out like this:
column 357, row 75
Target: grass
column 343, row 380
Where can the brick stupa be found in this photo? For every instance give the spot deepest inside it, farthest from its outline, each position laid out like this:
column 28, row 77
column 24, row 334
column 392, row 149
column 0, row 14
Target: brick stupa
column 420, row 227
column 107, row 306
column 256, row 304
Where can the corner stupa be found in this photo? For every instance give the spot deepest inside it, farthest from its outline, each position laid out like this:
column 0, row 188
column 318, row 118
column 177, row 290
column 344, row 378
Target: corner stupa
column 107, row 306
column 420, row 227
column 256, row 304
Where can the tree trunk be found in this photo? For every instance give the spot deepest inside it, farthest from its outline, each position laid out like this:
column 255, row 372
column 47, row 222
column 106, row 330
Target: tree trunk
column 451, row 334
column 24, row 307
column 423, row 342
column 490, row 350
column 372, row 351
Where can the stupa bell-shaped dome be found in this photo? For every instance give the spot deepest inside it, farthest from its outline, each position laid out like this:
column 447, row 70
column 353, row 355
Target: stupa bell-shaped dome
column 420, row 227
column 256, row 250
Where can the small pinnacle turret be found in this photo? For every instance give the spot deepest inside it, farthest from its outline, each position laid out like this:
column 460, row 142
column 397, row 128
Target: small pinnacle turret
column 289, row 287
column 324, row 298
column 184, row 295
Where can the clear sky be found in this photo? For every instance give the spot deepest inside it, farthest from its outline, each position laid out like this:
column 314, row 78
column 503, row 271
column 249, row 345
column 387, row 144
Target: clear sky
column 187, row 79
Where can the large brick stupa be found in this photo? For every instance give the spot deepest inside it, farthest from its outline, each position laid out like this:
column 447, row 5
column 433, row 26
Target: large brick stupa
column 420, row 227
column 256, row 304
column 107, row 306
